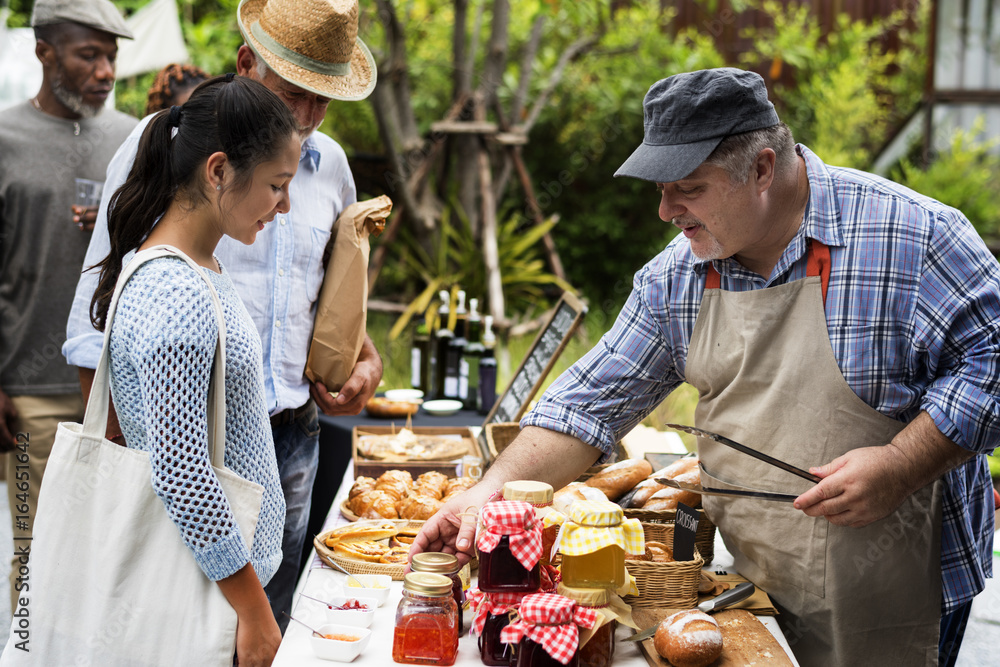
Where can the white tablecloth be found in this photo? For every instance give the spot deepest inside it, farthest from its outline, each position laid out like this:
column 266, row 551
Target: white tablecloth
column 322, row 582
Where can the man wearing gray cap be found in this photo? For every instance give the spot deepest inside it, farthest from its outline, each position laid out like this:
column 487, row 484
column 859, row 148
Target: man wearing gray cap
column 54, row 150
column 829, row 318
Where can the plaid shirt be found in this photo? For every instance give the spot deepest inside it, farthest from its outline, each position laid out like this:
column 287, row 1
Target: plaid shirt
column 913, row 315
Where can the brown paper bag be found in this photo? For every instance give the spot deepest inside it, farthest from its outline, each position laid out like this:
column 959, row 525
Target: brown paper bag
column 342, row 308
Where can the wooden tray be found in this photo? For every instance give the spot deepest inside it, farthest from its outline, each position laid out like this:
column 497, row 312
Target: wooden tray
column 373, row 468
column 331, row 558
column 745, row 640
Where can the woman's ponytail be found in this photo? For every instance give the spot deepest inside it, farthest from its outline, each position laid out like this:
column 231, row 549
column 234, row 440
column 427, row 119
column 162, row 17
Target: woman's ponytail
column 135, row 208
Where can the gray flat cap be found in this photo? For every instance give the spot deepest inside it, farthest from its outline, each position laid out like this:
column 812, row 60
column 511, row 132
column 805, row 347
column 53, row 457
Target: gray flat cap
column 97, row 14
column 685, row 116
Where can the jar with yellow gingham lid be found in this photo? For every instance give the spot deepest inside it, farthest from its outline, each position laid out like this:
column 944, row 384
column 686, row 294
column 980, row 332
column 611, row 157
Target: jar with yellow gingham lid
column 593, row 542
column 597, row 644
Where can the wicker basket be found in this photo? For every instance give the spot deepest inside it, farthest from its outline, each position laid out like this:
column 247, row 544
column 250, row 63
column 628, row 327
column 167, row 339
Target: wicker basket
column 704, row 539
column 672, row 585
column 333, row 559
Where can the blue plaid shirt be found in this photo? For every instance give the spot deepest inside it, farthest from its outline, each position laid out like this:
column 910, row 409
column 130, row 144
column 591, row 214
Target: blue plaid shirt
column 913, row 313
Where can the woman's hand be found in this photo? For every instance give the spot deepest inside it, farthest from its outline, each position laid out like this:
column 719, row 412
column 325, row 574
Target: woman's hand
column 257, row 640
column 257, row 633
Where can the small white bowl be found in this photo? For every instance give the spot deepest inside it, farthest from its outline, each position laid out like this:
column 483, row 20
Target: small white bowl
column 359, row 618
column 442, row 407
column 335, row 649
column 374, row 586
column 406, row 395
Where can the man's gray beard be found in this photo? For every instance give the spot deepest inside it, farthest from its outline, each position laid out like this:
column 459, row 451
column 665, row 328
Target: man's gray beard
column 73, row 101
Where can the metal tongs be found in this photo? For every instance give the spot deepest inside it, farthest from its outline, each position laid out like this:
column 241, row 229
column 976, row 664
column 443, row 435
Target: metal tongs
column 721, row 439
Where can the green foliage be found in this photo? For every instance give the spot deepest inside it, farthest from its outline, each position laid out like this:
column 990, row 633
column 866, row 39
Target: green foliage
column 966, row 176
column 456, row 259
column 849, row 90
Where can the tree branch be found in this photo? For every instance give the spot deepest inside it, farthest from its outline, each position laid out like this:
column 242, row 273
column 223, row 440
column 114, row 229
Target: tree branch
column 527, row 59
column 574, row 51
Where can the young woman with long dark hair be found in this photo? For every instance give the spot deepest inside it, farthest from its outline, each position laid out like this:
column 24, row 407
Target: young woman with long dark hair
column 218, row 165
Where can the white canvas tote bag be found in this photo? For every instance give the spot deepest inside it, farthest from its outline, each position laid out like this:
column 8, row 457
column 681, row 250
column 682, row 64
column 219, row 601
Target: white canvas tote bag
column 110, row 581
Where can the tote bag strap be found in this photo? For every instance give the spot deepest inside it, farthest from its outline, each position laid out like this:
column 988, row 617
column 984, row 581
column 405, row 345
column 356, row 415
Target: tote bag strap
column 96, row 418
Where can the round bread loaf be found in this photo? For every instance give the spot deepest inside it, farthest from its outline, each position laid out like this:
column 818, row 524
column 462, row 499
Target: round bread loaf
column 689, row 638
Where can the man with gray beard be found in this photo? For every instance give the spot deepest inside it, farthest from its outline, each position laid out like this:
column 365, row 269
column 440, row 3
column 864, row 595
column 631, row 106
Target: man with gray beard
column 54, row 150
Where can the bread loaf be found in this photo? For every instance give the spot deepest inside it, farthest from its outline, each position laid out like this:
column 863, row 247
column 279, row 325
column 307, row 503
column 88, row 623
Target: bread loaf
column 689, row 638
column 644, row 490
column 668, row 497
column 620, row 477
column 363, row 533
column 564, row 498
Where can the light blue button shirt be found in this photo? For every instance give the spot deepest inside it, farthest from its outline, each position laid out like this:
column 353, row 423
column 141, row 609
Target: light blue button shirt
column 278, row 277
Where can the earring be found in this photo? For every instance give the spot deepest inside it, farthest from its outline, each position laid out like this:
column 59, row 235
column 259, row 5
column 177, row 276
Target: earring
column 218, row 187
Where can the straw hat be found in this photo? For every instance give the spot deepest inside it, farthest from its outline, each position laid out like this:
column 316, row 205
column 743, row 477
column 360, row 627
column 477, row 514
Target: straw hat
column 313, row 44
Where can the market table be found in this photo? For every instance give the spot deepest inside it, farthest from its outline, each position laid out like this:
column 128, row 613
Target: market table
column 321, row 581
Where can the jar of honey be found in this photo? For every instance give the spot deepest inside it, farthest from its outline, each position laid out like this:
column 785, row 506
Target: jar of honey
column 426, row 632
column 593, row 543
column 446, row 564
column 509, row 547
column 492, row 614
column 547, row 631
column 539, row 496
column 597, row 645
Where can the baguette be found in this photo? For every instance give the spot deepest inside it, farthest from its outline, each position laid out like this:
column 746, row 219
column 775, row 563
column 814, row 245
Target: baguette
column 617, row 479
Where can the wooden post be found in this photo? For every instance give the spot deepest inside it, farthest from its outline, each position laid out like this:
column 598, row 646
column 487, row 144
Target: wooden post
column 491, row 252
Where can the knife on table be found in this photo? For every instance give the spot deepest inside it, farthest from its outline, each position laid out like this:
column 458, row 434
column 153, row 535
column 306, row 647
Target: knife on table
column 719, row 602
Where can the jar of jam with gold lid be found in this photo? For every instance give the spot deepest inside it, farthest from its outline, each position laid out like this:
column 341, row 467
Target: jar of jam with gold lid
column 426, row 632
column 509, row 546
column 446, row 564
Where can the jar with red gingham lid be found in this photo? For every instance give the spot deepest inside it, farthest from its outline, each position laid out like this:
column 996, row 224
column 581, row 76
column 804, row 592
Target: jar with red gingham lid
column 509, row 546
column 547, row 631
column 539, row 495
column 493, row 612
column 597, row 645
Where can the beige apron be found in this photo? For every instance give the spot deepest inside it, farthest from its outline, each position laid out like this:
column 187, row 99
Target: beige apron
column 767, row 377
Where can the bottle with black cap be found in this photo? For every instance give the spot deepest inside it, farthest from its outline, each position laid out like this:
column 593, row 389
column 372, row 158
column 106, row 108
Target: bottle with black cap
column 488, row 370
column 469, row 370
column 453, row 384
column 442, row 337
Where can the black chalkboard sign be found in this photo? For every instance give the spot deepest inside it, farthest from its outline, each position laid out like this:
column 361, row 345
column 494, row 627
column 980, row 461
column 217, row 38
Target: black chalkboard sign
column 548, row 345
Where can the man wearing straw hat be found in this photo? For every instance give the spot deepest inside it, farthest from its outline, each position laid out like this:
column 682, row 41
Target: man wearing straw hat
column 308, row 53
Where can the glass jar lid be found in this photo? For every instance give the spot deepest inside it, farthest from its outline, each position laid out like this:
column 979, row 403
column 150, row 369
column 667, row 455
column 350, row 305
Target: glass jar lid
column 530, row 491
column 588, row 597
column 427, row 583
column 432, row 561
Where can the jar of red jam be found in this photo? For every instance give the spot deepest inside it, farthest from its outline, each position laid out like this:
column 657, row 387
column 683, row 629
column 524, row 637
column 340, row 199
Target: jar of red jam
column 539, row 496
column 547, row 631
column 492, row 614
column 509, row 546
column 426, row 632
column 446, row 564
column 597, row 645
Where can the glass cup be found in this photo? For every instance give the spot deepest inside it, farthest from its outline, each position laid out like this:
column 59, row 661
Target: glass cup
column 87, row 195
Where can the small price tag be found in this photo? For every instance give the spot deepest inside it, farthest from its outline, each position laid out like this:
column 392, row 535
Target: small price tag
column 685, row 529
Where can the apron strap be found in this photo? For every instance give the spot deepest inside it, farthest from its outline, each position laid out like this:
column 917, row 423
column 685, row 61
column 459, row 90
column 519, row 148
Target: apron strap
column 817, row 264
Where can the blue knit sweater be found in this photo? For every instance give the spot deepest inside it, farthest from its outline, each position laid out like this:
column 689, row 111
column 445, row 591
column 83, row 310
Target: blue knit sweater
column 162, row 346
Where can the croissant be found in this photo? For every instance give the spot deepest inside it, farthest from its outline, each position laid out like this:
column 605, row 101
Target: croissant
column 419, row 507
column 374, row 504
column 361, row 484
column 434, row 482
column 459, row 484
